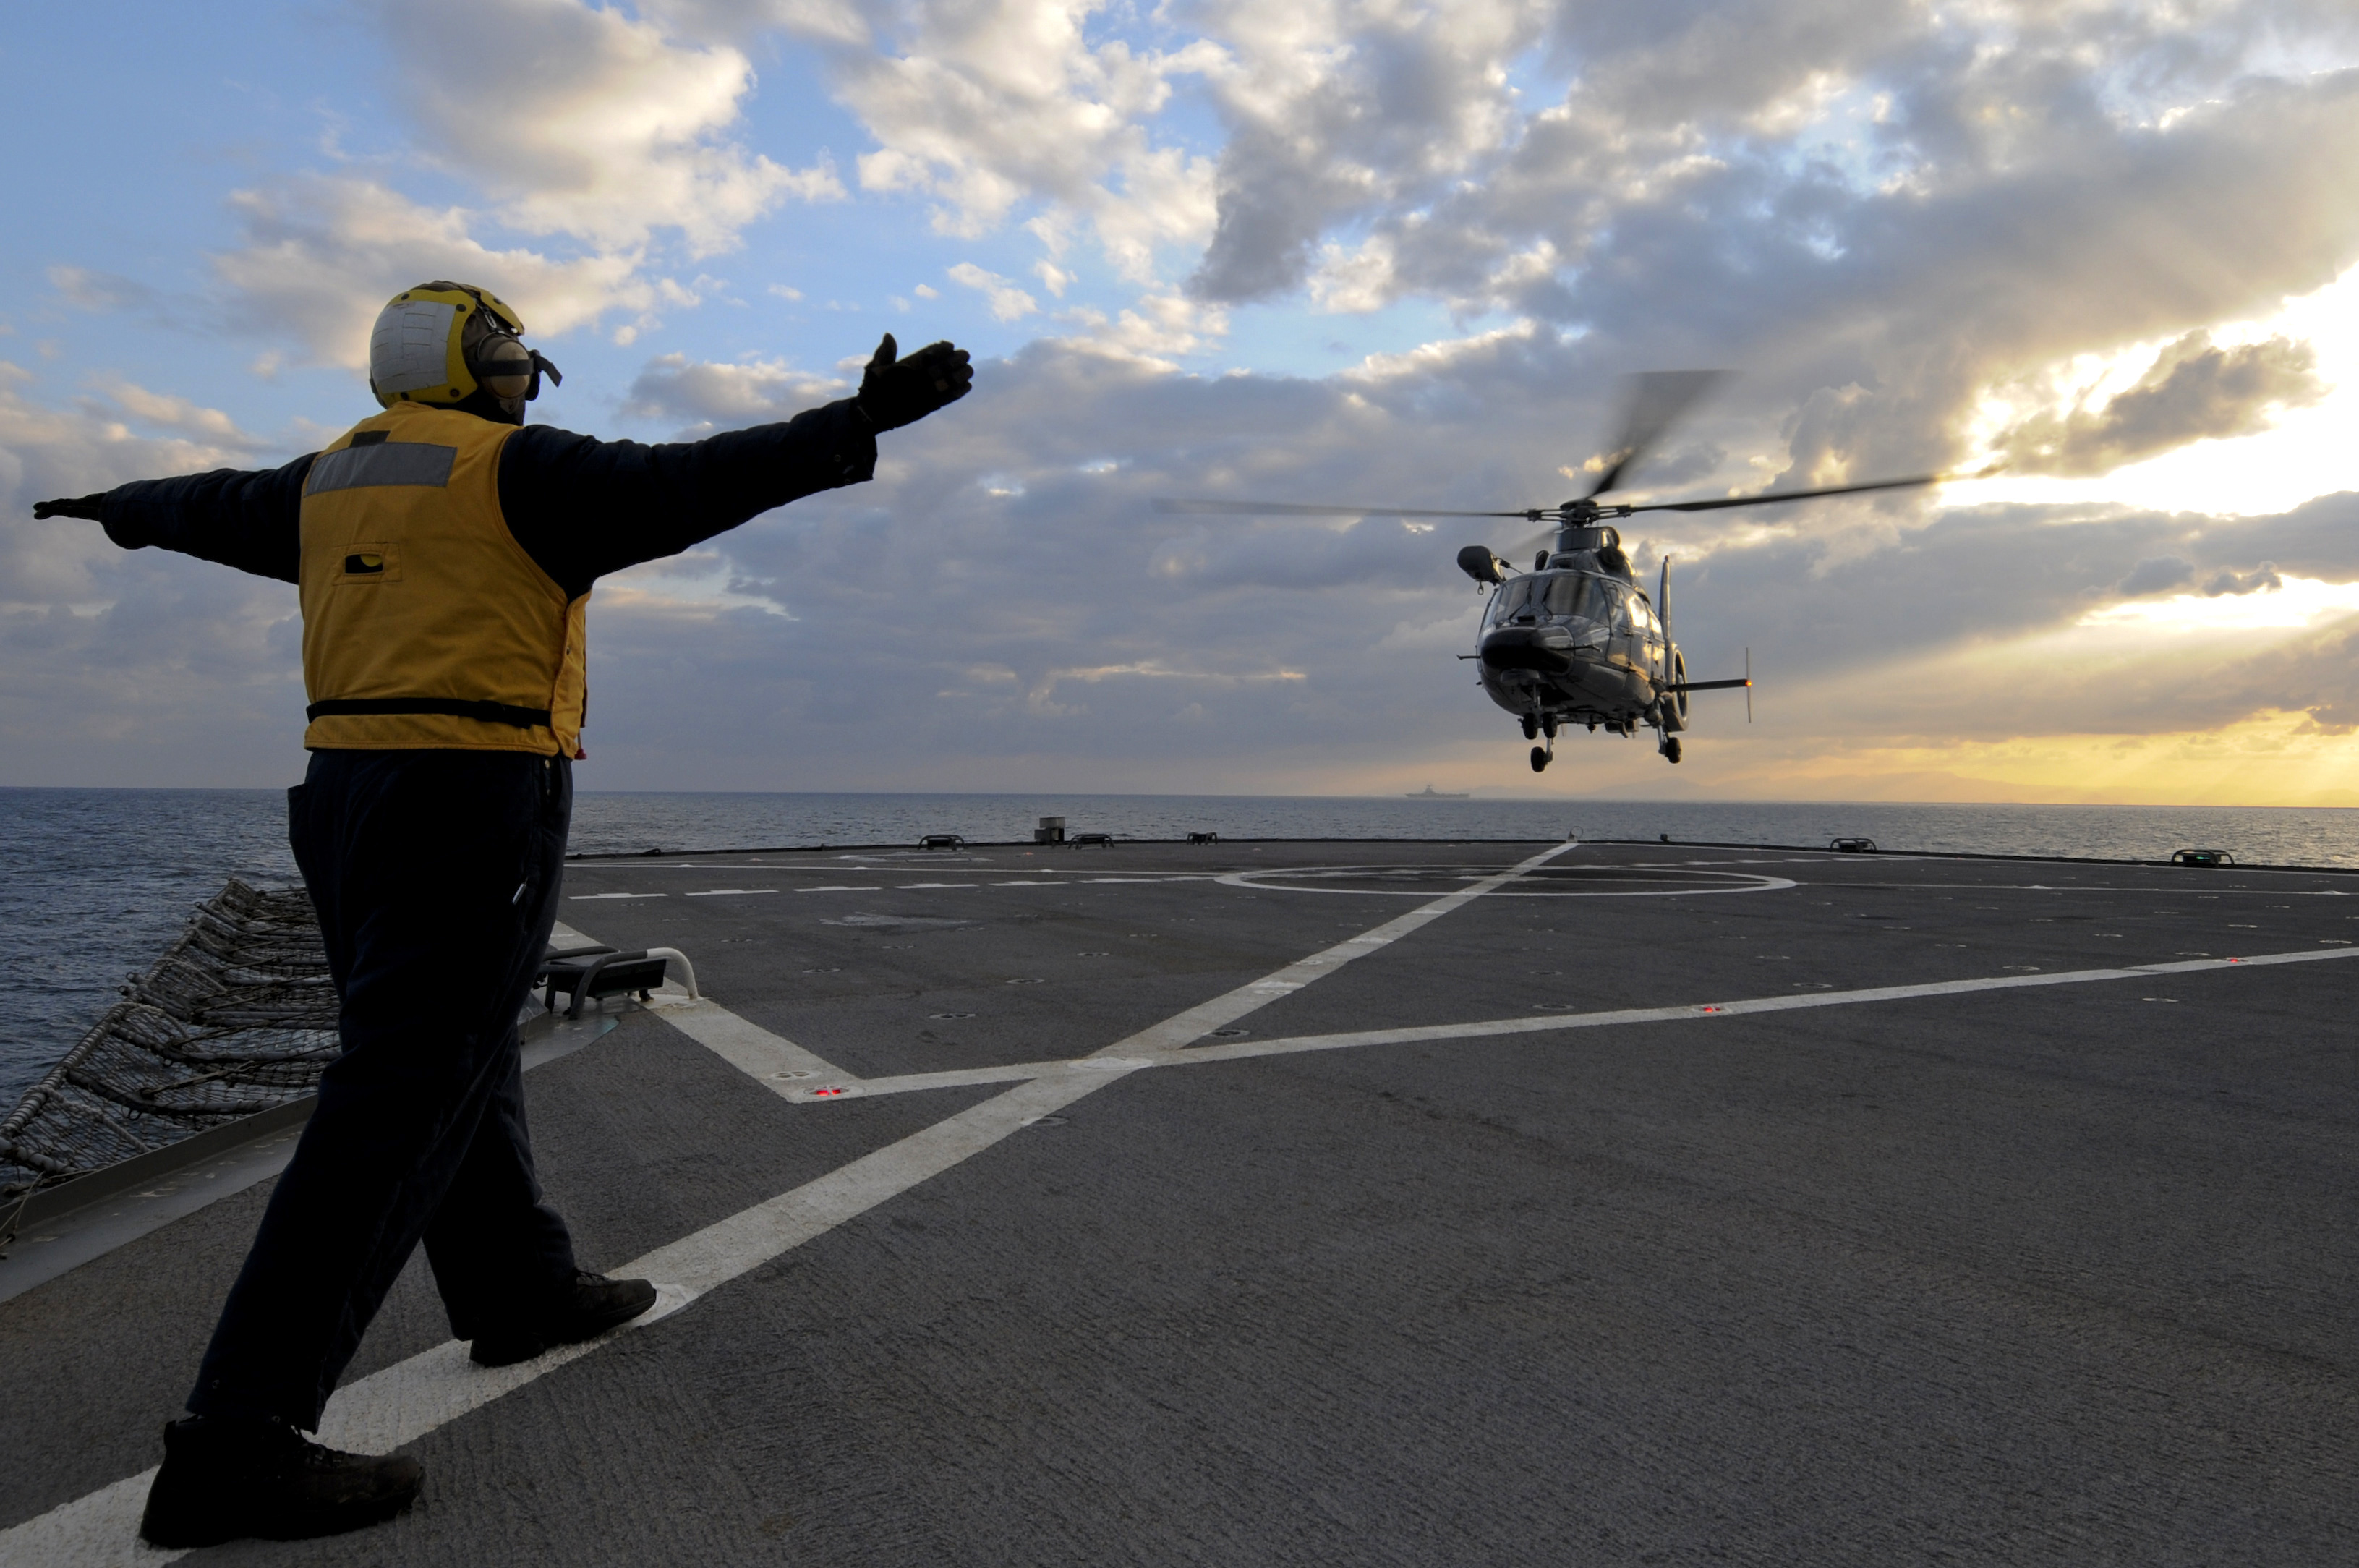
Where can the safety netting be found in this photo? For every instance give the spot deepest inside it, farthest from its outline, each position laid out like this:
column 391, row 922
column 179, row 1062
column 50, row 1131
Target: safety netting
column 238, row 1016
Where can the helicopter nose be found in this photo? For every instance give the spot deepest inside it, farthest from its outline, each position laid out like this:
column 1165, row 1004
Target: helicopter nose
column 1547, row 649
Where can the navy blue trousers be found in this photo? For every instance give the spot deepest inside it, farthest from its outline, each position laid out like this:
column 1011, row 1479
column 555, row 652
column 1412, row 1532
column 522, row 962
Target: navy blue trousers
column 436, row 877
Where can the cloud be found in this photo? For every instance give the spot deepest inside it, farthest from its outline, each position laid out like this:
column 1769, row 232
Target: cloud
column 91, row 290
column 2318, row 678
column 1334, row 114
column 741, row 21
column 983, row 107
column 2193, row 391
column 1157, row 331
column 570, row 120
column 584, row 122
column 1890, row 213
column 2157, row 575
column 2262, row 580
column 1882, row 214
column 321, row 254
column 165, row 411
column 133, row 666
column 48, row 451
column 1008, row 303
column 707, row 396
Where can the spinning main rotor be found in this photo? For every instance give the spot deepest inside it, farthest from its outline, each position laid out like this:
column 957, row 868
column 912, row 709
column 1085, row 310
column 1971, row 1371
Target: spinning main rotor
column 1657, row 400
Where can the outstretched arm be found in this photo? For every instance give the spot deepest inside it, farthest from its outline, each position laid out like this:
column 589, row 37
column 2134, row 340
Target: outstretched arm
column 251, row 520
column 582, row 508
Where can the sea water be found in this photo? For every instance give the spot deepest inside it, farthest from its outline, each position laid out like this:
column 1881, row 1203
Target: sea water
column 98, row 881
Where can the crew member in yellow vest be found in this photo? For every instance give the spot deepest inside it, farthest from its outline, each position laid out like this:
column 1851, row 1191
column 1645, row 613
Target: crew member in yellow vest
column 445, row 553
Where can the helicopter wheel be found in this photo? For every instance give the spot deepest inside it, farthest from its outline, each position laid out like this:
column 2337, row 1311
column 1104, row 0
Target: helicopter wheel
column 1539, row 760
column 1548, row 726
column 1531, row 728
column 1671, row 751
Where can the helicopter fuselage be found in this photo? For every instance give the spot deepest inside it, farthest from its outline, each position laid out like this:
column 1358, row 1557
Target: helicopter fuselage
column 1578, row 641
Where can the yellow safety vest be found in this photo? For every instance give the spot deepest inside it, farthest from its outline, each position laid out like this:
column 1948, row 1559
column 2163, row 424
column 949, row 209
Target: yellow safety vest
column 425, row 623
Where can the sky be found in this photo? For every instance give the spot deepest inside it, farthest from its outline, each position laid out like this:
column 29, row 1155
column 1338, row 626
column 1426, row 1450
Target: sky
column 1389, row 255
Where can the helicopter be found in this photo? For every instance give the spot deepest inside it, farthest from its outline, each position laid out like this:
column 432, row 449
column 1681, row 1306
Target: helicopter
column 1577, row 639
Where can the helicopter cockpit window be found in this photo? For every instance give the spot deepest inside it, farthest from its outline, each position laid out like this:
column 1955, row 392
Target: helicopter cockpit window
column 1572, row 594
column 1514, row 598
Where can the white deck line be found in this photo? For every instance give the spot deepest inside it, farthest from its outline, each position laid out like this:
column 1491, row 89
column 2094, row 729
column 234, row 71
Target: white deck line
column 772, row 1061
column 410, row 1399
column 1549, row 1023
column 1749, row 882
column 1205, row 1017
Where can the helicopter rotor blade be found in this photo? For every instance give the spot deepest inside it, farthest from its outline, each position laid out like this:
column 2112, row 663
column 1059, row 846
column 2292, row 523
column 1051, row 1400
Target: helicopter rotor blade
column 1654, row 402
column 1774, row 496
column 1296, row 509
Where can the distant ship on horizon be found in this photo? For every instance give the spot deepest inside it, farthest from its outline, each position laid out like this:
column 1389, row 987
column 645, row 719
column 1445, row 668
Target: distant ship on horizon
column 1431, row 793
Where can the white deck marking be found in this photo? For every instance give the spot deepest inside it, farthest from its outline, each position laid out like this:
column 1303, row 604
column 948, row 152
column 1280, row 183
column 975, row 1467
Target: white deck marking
column 1205, row 1017
column 1236, row 1050
column 772, row 1061
column 1724, row 882
column 719, row 892
column 410, row 1399
column 585, row 897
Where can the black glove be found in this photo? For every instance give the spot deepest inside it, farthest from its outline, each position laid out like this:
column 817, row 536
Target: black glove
column 84, row 506
column 897, row 393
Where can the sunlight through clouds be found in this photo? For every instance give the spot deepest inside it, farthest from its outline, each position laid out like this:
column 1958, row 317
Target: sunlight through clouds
column 2304, row 451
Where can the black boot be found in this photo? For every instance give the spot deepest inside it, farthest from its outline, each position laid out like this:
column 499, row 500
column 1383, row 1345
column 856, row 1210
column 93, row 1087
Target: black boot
column 581, row 1310
column 226, row 1478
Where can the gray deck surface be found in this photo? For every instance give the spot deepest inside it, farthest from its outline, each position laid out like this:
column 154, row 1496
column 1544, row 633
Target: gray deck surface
column 2058, row 1274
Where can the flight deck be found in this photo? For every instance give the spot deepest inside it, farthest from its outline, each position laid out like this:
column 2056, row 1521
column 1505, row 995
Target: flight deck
column 1362, row 1202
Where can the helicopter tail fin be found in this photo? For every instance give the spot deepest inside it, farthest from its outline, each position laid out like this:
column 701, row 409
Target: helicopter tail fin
column 1663, row 611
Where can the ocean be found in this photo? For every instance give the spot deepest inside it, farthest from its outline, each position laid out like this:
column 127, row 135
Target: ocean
column 98, row 881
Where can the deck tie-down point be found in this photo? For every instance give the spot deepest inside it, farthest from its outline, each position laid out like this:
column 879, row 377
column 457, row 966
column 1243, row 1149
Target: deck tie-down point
column 592, row 974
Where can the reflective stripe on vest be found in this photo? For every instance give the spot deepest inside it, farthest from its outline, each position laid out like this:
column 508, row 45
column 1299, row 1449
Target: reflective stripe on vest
column 425, row 623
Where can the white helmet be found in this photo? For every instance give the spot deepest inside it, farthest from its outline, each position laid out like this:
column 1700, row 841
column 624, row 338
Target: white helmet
column 439, row 343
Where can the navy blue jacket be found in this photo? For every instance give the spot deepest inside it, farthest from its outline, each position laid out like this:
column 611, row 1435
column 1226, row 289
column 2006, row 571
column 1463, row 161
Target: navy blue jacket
column 579, row 506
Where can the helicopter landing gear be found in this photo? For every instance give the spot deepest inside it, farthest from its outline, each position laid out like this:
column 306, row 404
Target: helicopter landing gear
column 1547, row 727
column 1531, row 728
column 1671, row 749
column 1539, row 760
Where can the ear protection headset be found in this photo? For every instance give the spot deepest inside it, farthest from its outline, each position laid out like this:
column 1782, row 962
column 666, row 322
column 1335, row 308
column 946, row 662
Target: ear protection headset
column 439, row 343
